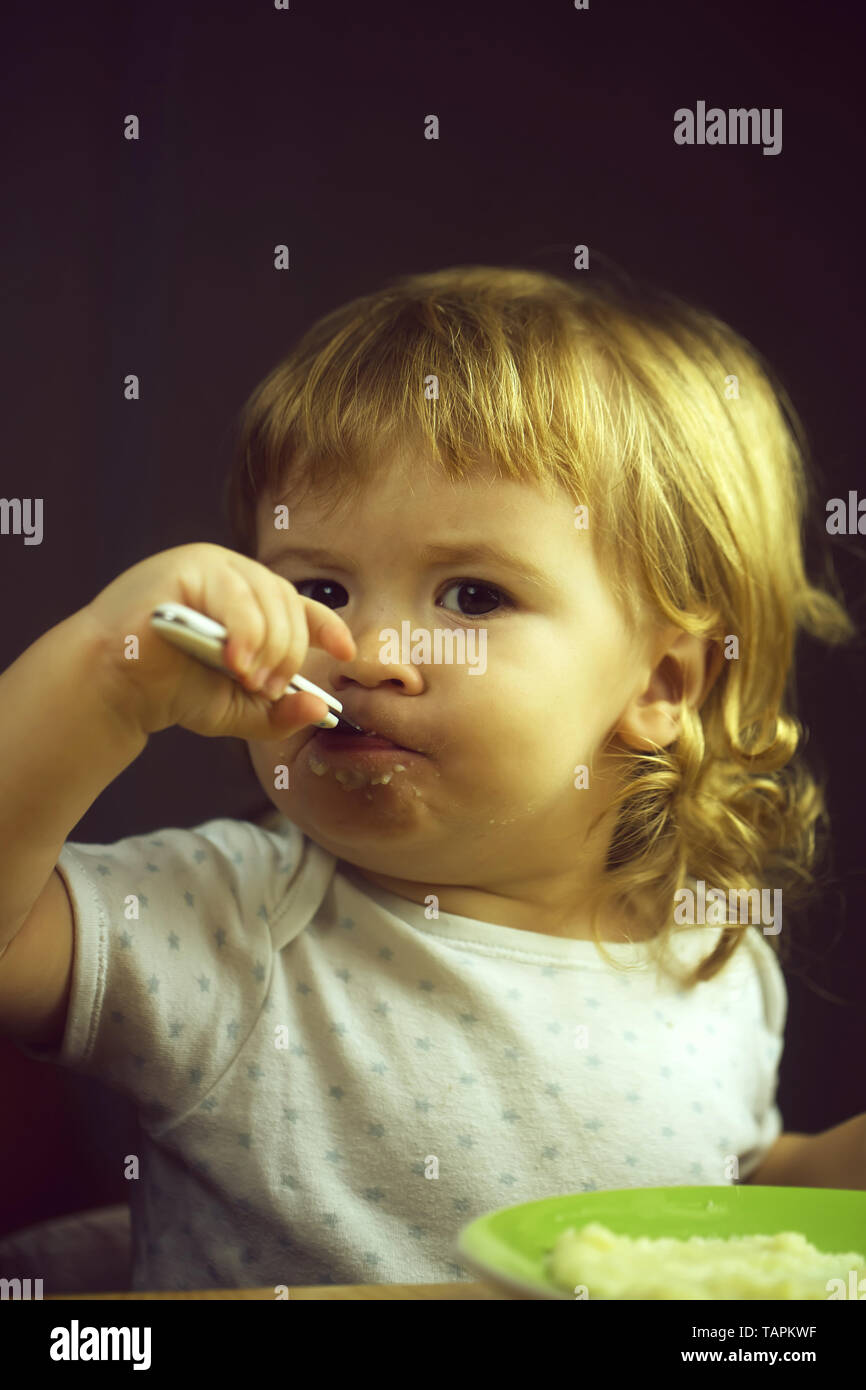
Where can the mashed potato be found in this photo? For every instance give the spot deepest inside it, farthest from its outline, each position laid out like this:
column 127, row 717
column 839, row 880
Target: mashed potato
column 612, row 1266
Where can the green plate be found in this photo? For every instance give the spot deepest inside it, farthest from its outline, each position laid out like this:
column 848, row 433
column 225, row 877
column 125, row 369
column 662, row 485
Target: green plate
column 508, row 1246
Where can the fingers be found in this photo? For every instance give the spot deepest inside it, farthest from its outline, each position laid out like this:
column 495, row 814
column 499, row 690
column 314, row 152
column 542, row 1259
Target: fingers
column 273, row 628
column 275, row 639
column 295, row 712
column 230, row 592
column 255, row 717
column 328, row 630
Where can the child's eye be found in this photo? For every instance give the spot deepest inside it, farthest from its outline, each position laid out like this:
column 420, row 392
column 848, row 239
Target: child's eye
column 329, row 584
column 475, row 592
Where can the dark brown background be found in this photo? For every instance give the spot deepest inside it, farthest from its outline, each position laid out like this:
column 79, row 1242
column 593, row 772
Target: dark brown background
column 306, row 127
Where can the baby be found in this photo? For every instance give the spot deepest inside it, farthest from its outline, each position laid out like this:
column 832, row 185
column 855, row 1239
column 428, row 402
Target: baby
column 448, row 974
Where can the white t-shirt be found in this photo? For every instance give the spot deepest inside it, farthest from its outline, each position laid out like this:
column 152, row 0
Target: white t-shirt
column 330, row 1084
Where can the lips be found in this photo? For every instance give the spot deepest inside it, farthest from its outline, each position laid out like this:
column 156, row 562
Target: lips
column 373, row 738
column 361, row 741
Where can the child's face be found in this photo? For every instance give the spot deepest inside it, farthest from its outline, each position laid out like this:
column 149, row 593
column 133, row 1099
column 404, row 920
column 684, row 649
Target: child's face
column 493, row 786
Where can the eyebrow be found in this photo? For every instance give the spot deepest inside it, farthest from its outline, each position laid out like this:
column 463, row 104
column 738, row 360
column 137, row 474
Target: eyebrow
column 481, row 552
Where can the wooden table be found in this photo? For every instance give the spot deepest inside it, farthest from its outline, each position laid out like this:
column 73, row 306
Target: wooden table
column 363, row 1292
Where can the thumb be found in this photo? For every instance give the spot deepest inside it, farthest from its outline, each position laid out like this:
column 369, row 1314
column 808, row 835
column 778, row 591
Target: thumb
column 296, row 711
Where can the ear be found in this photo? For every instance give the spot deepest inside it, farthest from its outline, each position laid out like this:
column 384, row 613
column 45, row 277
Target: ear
column 686, row 668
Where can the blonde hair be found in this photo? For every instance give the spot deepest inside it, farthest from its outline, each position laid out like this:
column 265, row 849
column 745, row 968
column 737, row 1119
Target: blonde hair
column 685, row 448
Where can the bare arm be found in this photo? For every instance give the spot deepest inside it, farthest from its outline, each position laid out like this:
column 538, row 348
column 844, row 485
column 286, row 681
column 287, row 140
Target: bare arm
column 834, row 1158
column 62, row 742
column 74, row 712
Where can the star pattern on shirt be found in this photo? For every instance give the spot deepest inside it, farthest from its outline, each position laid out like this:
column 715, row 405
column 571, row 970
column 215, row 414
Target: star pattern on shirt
column 250, row 983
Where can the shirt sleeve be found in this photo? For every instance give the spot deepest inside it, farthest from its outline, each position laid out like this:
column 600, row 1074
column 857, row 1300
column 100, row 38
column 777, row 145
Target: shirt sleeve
column 770, row 1045
column 173, row 955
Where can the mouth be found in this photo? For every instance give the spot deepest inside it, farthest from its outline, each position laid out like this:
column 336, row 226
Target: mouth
column 361, row 745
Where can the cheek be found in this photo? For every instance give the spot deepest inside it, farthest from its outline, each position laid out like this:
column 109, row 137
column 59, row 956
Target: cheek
column 266, row 760
column 558, row 725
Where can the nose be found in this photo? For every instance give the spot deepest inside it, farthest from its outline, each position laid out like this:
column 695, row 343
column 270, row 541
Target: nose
column 375, row 665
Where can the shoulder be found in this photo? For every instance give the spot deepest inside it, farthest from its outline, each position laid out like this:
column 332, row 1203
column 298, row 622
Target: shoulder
column 766, row 964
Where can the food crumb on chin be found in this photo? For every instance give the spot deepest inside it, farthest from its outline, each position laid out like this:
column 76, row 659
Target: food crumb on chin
column 349, row 778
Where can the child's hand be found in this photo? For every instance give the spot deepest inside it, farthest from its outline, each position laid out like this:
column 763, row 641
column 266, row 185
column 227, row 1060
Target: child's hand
column 264, row 615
